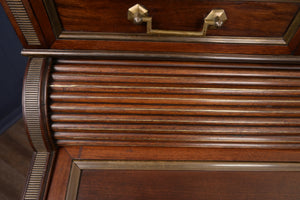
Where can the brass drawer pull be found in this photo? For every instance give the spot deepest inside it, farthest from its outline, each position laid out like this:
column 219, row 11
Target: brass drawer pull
column 138, row 14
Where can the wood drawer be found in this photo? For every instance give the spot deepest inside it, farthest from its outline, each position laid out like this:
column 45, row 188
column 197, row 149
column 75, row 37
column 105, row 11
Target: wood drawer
column 252, row 27
column 245, row 18
column 249, row 23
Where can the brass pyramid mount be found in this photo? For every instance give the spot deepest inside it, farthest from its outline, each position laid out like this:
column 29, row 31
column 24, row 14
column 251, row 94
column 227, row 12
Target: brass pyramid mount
column 138, row 15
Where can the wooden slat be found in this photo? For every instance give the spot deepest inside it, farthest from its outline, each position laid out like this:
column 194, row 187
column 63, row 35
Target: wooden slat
column 173, row 89
column 195, row 104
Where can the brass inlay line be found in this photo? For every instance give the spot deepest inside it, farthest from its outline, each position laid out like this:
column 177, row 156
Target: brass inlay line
column 73, row 182
column 187, row 165
column 53, row 17
column 293, row 28
column 141, row 37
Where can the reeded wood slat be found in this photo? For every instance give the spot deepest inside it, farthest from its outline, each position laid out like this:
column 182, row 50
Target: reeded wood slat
column 176, row 79
column 173, row 89
column 173, row 110
column 173, row 129
column 191, row 104
column 174, row 99
column 177, row 138
column 159, row 119
column 207, row 70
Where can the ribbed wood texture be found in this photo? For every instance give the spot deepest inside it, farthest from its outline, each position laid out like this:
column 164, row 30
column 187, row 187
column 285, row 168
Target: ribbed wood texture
column 197, row 104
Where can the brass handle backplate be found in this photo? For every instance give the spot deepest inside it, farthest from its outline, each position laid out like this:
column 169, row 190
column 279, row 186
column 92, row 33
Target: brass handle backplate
column 138, row 14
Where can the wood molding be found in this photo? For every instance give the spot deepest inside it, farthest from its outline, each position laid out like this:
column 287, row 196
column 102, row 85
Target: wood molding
column 132, row 55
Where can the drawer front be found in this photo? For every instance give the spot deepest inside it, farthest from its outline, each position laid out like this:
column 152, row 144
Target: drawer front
column 245, row 18
column 247, row 27
column 187, row 104
column 252, row 27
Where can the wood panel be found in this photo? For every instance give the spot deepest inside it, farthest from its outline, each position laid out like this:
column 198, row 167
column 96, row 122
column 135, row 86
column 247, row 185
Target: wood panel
column 175, row 104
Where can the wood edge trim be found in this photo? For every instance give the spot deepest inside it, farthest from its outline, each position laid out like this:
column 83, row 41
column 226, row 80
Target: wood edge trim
column 186, row 165
column 130, row 55
column 73, row 184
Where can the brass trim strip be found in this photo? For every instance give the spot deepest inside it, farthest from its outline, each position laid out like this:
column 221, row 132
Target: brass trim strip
column 186, row 165
column 292, row 29
column 19, row 12
column 144, row 37
column 53, row 17
column 162, row 56
column 31, row 103
column 36, row 178
column 73, row 182
column 79, row 165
